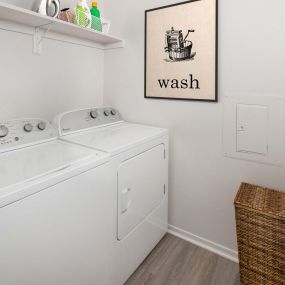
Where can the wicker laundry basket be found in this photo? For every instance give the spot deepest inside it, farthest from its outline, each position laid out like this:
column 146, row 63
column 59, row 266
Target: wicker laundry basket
column 260, row 219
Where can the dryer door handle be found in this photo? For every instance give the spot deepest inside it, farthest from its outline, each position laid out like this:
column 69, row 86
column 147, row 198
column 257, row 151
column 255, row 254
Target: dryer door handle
column 125, row 200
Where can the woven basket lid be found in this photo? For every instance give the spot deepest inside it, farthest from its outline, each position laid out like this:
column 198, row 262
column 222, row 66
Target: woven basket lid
column 261, row 199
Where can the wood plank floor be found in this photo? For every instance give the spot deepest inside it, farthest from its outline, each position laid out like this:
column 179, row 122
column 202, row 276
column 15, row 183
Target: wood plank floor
column 178, row 262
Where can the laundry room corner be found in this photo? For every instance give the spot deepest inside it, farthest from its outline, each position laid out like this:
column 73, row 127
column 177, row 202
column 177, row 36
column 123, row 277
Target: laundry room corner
column 142, row 142
column 203, row 181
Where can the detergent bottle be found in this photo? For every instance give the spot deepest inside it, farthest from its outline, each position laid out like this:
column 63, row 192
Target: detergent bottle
column 82, row 14
column 96, row 17
column 94, row 10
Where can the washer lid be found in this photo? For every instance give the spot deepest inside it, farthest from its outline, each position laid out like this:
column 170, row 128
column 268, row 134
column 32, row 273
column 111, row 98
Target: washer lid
column 34, row 162
column 116, row 138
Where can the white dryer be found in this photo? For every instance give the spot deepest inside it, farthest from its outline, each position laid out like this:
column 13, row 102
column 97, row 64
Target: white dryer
column 139, row 159
column 53, row 198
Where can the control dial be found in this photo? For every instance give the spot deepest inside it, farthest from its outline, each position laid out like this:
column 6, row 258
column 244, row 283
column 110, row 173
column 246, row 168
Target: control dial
column 106, row 113
column 3, row 131
column 28, row 128
column 113, row 112
column 93, row 114
column 42, row 126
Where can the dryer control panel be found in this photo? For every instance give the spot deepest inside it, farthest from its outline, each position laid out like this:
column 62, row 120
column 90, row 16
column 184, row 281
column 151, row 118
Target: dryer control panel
column 70, row 122
column 24, row 132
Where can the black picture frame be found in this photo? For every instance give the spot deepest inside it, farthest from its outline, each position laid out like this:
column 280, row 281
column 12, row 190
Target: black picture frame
column 215, row 100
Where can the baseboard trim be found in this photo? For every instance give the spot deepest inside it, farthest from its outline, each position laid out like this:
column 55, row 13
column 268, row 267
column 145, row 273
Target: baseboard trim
column 204, row 243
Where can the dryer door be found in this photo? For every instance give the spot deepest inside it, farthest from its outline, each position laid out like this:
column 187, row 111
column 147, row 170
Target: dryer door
column 141, row 188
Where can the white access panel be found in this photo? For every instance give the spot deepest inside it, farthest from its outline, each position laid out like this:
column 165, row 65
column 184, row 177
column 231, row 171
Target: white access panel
column 141, row 188
column 252, row 128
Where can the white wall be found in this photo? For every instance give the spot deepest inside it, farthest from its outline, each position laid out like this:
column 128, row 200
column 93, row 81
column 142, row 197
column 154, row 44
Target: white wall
column 203, row 183
column 64, row 77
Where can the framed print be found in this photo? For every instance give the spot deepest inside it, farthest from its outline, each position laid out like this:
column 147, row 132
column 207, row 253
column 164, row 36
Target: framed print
column 181, row 51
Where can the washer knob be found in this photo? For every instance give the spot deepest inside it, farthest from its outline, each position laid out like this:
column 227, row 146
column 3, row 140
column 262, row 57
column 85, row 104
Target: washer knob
column 42, row 126
column 93, row 114
column 106, row 113
column 28, row 128
column 113, row 112
column 3, row 131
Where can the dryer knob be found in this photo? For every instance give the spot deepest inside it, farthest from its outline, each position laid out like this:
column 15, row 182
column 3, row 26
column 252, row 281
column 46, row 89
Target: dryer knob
column 93, row 114
column 106, row 113
column 42, row 126
column 113, row 112
column 28, row 128
column 3, row 131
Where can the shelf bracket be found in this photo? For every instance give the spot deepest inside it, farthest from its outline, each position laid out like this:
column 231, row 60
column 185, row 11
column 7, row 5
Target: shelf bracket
column 39, row 35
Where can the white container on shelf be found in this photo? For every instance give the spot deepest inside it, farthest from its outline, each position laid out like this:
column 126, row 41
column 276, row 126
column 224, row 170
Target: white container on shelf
column 105, row 26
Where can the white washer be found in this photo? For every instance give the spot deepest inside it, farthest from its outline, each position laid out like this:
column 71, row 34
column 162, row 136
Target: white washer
column 53, row 198
column 140, row 179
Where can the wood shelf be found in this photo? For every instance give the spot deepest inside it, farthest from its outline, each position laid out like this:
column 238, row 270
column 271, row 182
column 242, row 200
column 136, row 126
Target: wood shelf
column 32, row 19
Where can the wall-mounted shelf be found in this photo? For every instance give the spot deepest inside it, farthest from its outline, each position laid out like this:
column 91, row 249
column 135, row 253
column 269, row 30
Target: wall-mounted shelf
column 40, row 22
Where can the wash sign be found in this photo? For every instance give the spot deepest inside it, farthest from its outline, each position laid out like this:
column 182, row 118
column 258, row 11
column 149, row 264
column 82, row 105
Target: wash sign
column 180, row 51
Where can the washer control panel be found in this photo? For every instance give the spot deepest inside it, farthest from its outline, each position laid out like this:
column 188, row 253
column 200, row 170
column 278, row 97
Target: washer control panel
column 84, row 119
column 22, row 132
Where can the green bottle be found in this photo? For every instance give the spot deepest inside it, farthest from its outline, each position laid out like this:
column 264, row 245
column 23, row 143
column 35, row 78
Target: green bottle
column 96, row 17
